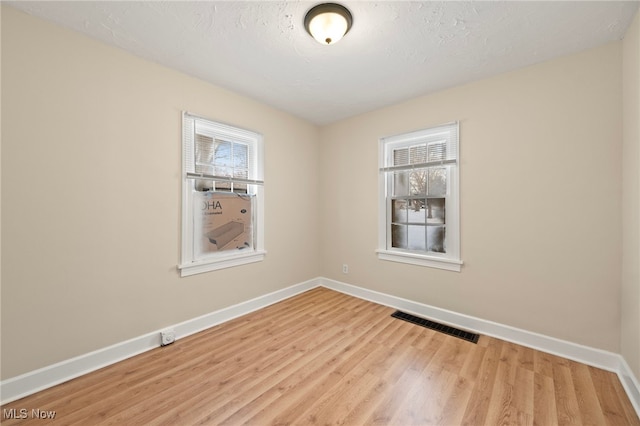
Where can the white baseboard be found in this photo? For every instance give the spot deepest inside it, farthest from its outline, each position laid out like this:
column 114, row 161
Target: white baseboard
column 630, row 384
column 34, row 381
column 43, row 378
column 587, row 355
column 584, row 354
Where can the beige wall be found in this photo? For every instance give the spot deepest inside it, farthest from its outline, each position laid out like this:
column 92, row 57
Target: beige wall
column 540, row 199
column 630, row 343
column 91, row 196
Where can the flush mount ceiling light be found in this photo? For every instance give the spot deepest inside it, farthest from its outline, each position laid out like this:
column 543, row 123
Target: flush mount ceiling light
column 328, row 22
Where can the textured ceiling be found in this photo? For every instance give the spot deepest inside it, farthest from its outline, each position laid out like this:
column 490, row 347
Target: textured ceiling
column 396, row 50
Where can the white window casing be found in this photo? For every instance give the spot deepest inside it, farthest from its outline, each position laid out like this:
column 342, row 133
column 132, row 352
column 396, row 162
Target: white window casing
column 419, row 198
column 222, row 196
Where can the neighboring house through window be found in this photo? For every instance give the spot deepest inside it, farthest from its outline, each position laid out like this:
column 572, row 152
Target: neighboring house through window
column 419, row 198
column 222, row 196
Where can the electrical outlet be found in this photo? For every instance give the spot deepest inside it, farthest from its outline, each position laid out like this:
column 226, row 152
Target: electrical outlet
column 167, row 337
column 345, row 268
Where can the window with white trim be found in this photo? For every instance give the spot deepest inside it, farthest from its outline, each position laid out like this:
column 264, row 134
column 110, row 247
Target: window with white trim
column 222, row 196
column 419, row 198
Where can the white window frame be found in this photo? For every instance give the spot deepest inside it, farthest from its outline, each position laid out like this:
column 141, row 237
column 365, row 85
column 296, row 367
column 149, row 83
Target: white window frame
column 188, row 266
column 450, row 260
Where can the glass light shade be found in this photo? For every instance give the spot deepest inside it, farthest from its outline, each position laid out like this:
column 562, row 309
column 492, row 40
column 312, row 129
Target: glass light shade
column 328, row 23
column 328, row 28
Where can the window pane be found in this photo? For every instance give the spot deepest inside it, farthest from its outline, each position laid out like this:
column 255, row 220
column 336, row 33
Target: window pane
column 436, row 210
column 401, row 184
column 417, row 238
column 437, row 181
column 435, row 239
column 399, row 236
column 416, row 211
column 418, row 182
column 240, row 173
column 240, row 188
column 240, row 166
column 400, row 157
column 223, row 165
column 437, row 151
column 204, row 154
column 399, row 211
column 418, row 154
column 202, row 185
column 240, row 161
column 213, row 229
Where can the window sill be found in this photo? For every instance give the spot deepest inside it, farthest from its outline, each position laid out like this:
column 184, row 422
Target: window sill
column 225, row 262
column 420, row 260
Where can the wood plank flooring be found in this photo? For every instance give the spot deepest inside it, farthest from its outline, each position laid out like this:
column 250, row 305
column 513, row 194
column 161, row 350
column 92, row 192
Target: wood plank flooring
column 322, row 358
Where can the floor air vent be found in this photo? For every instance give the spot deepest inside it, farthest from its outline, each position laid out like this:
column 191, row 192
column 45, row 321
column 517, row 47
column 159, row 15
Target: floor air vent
column 461, row 334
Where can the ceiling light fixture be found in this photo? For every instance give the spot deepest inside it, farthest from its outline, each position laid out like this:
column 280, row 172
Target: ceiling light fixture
column 328, row 22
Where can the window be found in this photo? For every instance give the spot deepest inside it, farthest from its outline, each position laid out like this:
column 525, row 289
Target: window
column 222, row 196
column 419, row 198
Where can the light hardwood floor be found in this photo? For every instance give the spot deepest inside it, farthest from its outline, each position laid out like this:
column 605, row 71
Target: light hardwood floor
column 323, row 357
